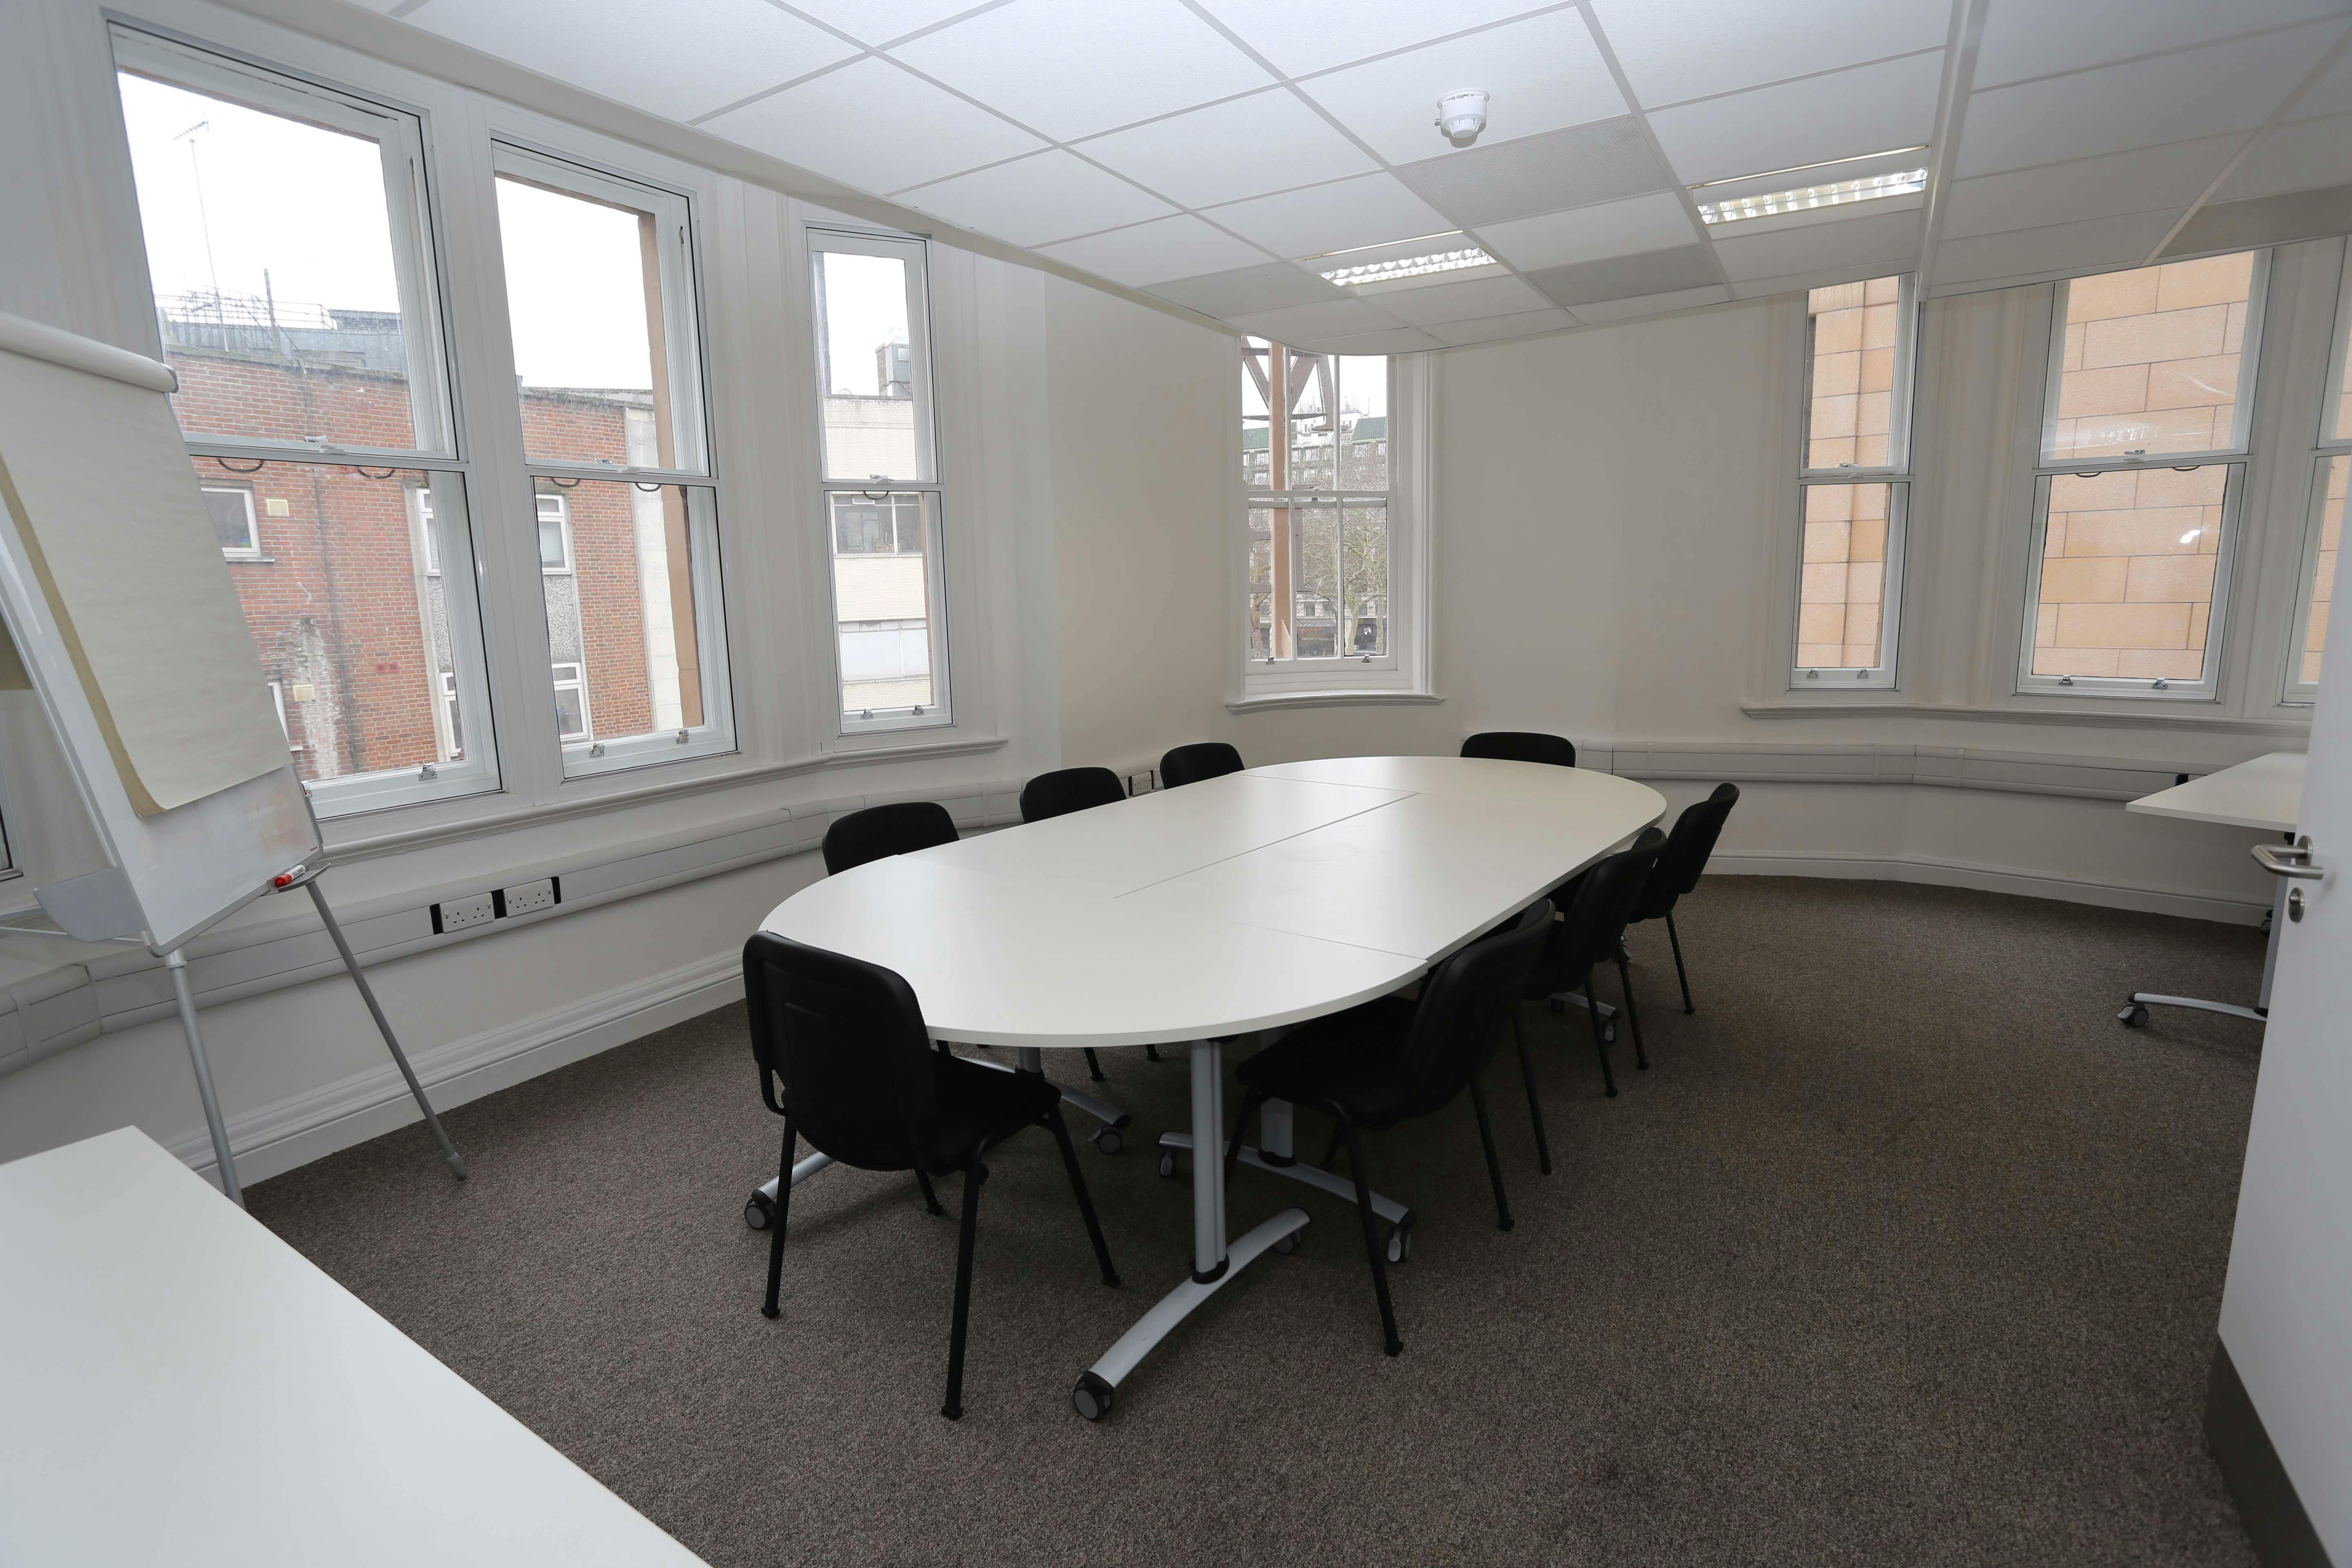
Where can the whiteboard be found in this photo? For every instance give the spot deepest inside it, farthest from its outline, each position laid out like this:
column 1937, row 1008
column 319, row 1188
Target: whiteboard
column 186, row 867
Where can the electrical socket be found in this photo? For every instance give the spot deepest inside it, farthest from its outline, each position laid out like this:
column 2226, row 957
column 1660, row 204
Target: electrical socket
column 1142, row 781
column 527, row 898
column 457, row 914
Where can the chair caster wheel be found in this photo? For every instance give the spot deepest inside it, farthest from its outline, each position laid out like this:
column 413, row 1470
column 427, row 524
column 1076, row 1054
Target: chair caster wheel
column 2133, row 1017
column 1288, row 1245
column 1167, row 1164
column 1092, row 1398
column 1108, row 1140
column 760, row 1211
column 1400, row 1243
column 1608, row 1031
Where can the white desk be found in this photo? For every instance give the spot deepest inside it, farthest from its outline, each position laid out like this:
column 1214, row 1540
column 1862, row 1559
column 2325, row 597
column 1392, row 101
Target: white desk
column 2265, row 794
column 1234, row 905
column 178, row 1385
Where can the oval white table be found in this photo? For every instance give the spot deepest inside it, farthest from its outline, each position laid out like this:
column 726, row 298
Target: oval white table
column 1224, row 908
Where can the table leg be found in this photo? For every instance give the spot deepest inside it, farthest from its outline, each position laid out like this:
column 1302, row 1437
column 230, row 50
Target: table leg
column 2134, row 1012
column 1274, row 1152
column 1214, row 1260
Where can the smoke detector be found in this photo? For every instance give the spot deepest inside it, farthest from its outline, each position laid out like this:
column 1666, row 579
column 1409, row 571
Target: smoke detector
column 1462, row 115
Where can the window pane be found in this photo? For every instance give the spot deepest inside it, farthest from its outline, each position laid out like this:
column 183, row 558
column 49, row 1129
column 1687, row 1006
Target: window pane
column 2340, row 411
column 2151, row 359
column 2127, row 565
column 1256, row 446
column 866, row 369
column 1315, row 617
column 232, row 514
column 1266, row 524
column 276, row 285
column 1363, row 424
column 1856, row 328
column 1364, row 625
column 621, row 619
column 584, row 295
column 883, row 588
column 2322, row 577
column 1842, row 600
column 554, row 531
column 346, row 613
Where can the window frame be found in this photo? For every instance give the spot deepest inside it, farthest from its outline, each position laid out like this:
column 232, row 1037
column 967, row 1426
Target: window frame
column 578, row 684
column 2328, row 445
column 2237, row 459
column 562, row 520
column 251, row 549
column 1898, row 473
column 818, row 238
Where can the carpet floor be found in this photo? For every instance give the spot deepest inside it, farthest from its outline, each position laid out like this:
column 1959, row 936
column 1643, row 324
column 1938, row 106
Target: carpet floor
column 1903, row 1251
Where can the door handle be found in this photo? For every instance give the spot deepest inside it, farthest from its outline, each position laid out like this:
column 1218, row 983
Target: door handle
column 2289, row 860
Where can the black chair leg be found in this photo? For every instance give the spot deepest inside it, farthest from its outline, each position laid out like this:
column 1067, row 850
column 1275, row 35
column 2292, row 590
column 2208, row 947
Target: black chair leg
column 1094, row 1067
column 1373, row 1247
column 1680, row 974
column 1535, row 1106
column 930, row 1198
column 1494, row 1165
column 1600, row 1042
column 1331, row 1150
column 974, row 1176
column 1151, row 1053
column 776, row 1220
column 1632, row 1014
column 1078, row 1185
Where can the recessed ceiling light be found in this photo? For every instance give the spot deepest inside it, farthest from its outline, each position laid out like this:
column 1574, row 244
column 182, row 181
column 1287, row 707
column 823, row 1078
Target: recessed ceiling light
column 1408, row 266
column 1840, row 192
column 1803, row 168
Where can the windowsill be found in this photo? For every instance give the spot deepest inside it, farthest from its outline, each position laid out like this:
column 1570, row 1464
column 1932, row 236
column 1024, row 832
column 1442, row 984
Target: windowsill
column 2154, row 715
column 1340, row 699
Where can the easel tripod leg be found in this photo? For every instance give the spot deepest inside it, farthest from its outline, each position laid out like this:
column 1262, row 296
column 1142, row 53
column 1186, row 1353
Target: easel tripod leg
column 227, row 1163
column 383, row 1026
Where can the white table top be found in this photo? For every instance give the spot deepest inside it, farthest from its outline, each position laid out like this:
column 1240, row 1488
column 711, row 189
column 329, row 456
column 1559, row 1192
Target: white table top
column 2265, row 793
column 1235, row 904
column 178, row 1385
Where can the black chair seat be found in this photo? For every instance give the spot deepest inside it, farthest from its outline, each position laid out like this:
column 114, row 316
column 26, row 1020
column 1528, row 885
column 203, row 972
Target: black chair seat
column 1352, row 1059
column 978, row 1108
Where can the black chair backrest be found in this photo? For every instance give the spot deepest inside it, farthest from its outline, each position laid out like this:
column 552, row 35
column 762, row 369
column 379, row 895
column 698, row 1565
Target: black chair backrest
column 1686, row 851
column 881, row 831
column 1458, row 1023
column 1522, row 746
column 846, row 1042
column 1201, row 760
column 1069, row 789
column 1596, row 917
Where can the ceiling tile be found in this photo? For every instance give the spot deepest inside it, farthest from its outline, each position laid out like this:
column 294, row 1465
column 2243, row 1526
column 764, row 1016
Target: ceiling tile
column 1458, row 301
column 679, row 60
column 1686, row 266
column 879, row 21
column 2025, row 39
column 1329, row 317
column 1180, row 247
column 1303, row 36
column 826, row 125
column 2331, row 94
column 1884, row 241
column 1869, row 109
column 1344, row 216
column 1655, row 222
column 1571, row 168
column 1396, row 340
column 1060, row 67
column 2304, row 156
column 1600, row 311
column 1494, row 329
column 2202, row 92
column 1244, row 289
column 2136, row 182
column 1244, row 147
column 2060, row 248
column 1697, row 48
column 1037, row 200
column 1540, row 75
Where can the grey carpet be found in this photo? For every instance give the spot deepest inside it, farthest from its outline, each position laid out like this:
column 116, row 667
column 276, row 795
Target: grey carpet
column 1903, row 1251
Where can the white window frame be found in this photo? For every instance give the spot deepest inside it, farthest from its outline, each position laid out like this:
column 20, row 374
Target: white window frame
column 251, row 549
column 683, row 340
column 399, row 134
column 2207, row 687
column 562, row 520
column 927, row 483
column 2327, row 447
column 578, row 682
column 1896, row 473
column 1403, row 671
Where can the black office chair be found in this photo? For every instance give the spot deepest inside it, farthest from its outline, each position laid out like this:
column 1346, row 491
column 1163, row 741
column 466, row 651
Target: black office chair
column 1587, row 934
column 1066, row 790
column 1391, row 1060
column 1201, row 760
column 1680, row 863
column 881, row 831
column 1522, row 746
column 844, row 1060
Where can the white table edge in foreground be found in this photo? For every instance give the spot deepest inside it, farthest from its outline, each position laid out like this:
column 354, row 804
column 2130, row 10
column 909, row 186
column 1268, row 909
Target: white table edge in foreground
column 2250, row 795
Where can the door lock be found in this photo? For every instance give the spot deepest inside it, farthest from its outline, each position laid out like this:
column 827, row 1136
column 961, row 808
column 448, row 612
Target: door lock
column 2295, row 903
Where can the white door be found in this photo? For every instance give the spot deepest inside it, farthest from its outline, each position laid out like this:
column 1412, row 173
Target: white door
column 2286, row 1312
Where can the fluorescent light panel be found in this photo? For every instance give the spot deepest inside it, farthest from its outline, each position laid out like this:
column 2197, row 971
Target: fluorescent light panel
column 1408, row 266
column 1840, row 192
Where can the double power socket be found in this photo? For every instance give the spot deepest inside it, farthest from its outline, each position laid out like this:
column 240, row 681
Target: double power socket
column 498, row 904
